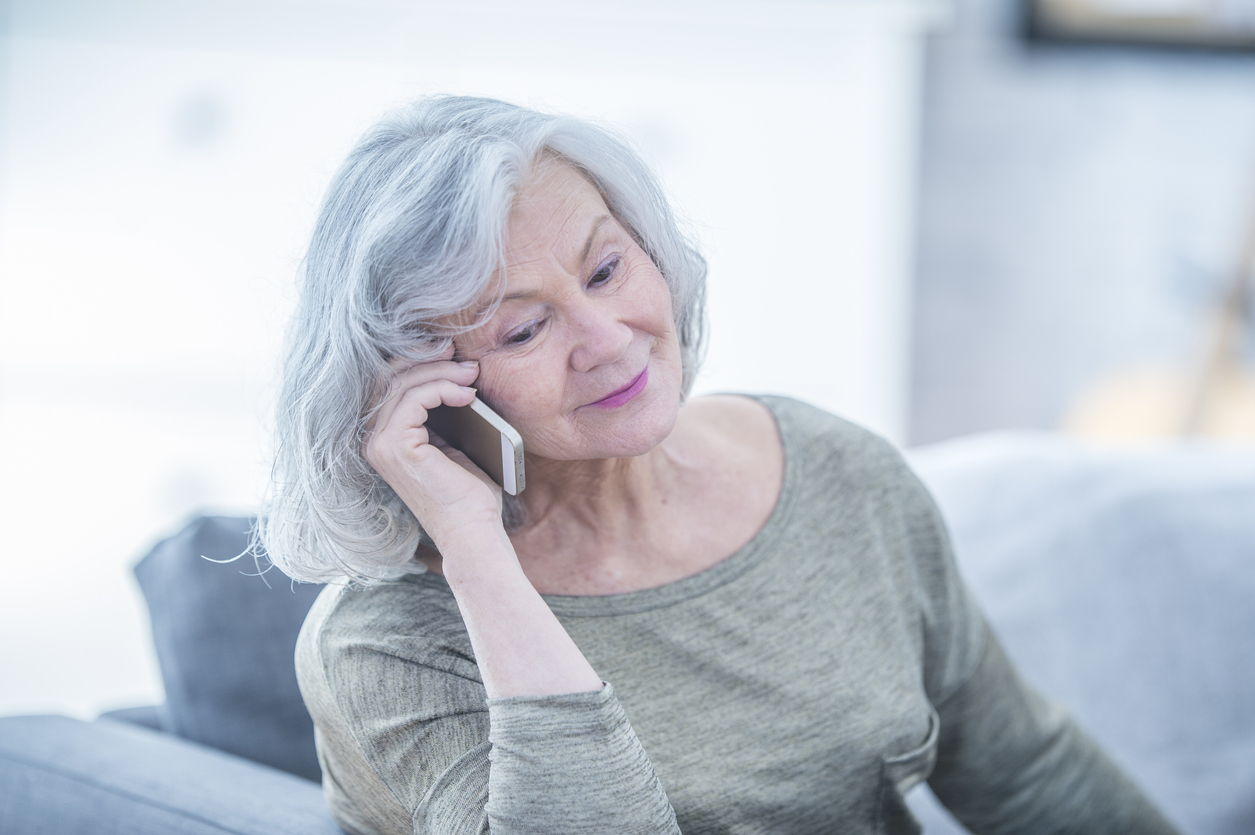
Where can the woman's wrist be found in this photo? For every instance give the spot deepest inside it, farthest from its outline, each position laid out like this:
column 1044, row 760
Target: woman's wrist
column 520, row 647
column 472, row 549
column 449, row 523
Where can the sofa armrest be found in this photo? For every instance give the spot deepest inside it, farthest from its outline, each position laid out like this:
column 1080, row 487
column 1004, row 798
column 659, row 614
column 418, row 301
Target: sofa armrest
column 66, row 776
column 146, row 716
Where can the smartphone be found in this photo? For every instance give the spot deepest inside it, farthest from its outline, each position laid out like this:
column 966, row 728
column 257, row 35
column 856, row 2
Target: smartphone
column 493, row 445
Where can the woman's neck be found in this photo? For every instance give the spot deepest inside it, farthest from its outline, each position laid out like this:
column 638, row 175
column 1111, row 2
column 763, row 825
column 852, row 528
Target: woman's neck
column 620, row 525
column 591, row 525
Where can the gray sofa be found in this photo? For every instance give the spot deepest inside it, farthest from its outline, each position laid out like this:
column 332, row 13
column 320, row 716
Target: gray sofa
column 1122, row 584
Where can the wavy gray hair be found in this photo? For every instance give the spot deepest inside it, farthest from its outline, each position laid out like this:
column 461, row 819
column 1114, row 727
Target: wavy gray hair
column 410, row 235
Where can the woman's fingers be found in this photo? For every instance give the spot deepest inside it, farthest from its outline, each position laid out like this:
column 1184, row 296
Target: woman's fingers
column 460, row 458
column 412, row 407
column 430, row 477
column 461, row 374
column 438, row 483
column 400, row 364
column 403, row 426
column 433, row 479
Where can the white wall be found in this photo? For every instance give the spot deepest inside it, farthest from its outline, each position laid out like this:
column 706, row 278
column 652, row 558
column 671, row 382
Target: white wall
column 162, row 165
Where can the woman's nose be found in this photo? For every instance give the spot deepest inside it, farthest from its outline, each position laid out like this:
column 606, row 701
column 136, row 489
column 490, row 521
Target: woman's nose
column 601, row 336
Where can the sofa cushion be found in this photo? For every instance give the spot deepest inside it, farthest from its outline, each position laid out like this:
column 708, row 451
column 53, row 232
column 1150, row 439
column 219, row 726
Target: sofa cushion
column 225, row 639
column 1121, row 583
column 147, row 716
column 62, row 776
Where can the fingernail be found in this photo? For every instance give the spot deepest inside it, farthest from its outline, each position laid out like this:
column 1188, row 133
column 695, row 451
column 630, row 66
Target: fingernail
column 469, row 363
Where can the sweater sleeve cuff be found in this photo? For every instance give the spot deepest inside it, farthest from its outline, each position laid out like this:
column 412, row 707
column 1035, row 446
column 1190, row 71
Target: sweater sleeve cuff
column 571, row 763
column 533, row 717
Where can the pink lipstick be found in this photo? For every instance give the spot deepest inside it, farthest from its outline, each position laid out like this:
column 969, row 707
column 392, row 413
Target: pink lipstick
column 623, row 395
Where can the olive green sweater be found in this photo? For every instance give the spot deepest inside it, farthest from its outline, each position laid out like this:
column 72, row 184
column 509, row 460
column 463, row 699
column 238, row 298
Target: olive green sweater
column 800, row 686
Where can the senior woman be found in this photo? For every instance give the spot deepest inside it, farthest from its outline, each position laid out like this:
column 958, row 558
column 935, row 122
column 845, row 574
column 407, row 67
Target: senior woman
column 730, row 614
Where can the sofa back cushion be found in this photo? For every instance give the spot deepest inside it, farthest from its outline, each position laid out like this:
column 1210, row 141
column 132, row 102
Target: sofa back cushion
column 225, row 639
column 1121, row 584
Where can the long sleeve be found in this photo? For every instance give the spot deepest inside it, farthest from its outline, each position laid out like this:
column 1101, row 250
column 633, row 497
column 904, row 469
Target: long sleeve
column 567, row 764
column 802, row 685
column 1011, row 762
column 409, row 742
column 571, row 764
column 1008, row 760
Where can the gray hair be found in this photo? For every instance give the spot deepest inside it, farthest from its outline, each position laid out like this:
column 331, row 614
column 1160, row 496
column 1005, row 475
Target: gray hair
column 410, row 235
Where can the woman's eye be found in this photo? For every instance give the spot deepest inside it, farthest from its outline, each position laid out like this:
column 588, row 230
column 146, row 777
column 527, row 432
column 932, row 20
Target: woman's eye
column 604, row 273
column 523, row 334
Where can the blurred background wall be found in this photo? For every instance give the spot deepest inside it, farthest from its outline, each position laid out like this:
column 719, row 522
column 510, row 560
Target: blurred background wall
column 162, row 164
column 913, row 218
column 1081, row 209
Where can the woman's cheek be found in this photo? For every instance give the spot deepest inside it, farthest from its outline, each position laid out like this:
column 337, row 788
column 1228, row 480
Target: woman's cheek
column 491, row 394
column 510, row 389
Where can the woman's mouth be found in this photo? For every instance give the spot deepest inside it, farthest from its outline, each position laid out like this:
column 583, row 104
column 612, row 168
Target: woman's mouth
column 623, row 395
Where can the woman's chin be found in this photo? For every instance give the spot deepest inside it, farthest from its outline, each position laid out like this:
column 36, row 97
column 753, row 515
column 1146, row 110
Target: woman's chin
column 633, row 432
column 609, row 433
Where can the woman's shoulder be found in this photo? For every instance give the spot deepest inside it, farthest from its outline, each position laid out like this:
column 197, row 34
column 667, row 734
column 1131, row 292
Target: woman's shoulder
column 802, row 432
column 823, row 459
column 731, row 419
column 380, row 667
column 413, row 620
column 736, row 437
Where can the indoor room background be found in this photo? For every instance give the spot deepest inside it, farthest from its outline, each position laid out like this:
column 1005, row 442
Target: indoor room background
column 914, row 218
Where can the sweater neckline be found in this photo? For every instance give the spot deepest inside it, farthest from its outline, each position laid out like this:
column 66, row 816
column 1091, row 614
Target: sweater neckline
column 719, row 574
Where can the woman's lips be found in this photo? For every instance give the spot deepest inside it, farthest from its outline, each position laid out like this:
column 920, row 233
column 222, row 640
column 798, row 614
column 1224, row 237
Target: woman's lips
column 623, row 395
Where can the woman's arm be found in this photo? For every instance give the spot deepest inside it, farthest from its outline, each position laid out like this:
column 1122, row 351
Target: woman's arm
column 1010, row 762
column 521, row 648
column 563, row 756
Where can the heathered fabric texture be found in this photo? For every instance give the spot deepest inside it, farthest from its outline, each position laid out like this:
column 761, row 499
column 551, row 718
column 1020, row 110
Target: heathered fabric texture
column 800, row 686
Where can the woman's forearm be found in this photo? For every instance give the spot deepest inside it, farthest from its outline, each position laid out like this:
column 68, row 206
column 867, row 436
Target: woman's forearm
column 520, row 647
column 564, row 757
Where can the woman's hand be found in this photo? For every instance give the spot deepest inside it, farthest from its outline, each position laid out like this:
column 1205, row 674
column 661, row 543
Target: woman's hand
column 520, row 647
column 439, row 484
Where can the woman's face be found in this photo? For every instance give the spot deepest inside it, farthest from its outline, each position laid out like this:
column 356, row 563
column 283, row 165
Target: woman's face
column 581, row 356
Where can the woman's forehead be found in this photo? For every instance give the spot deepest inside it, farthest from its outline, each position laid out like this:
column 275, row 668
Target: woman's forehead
column 553, row 209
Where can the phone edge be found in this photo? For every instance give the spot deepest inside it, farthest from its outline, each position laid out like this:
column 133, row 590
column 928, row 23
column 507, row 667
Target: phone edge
column 508, row 433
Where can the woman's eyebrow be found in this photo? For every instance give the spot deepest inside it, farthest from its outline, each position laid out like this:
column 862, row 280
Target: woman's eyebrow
column 592, row 233
column 588, row 247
